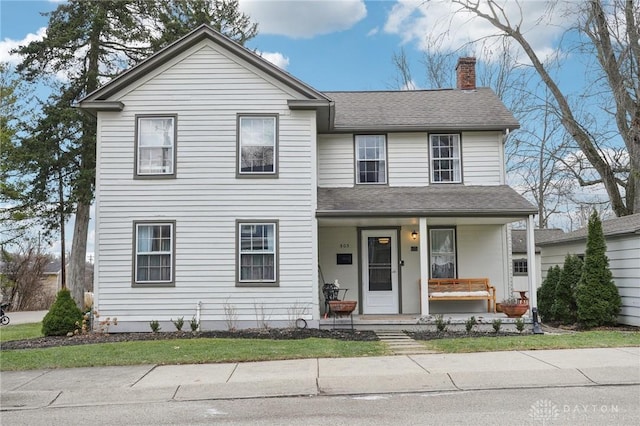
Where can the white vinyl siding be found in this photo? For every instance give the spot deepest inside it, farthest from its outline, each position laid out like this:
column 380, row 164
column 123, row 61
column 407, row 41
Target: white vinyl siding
column 335, row 161
column 482, row 159
column 408, row 159
column 207, row 90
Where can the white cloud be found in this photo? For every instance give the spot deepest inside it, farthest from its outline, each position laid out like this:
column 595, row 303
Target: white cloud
column 276, row 58
column 373, row 31
column 416, row 20
column 8, row 44
column 303, row 18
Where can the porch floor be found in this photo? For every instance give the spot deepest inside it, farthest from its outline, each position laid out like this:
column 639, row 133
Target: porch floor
column 417, row 322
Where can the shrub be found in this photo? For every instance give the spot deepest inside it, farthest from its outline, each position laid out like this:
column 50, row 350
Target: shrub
column 564, row 307
column 597, row 296
column 155, row 326
column 193, row 323
column 497, row 323
column 547, row 294
column 178, row 323
column 441, row 324
column 468, row 324
column 519, row 325
column 64, row 316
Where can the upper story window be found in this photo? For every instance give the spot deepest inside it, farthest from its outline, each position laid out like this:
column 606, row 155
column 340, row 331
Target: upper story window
column 154, row 247
column 257, row 145
column 445, row 158
column 371, row 159
column 257, row 253
column 155, row 146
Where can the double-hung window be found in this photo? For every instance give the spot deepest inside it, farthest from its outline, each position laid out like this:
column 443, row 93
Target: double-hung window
column 155, row 146
column 371, row 159
column 154, row 252
column 257, row 252
column 257, row 145
column 445, row 158
column 443, row 252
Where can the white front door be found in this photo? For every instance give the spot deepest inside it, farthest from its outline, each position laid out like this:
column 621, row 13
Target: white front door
column 380, row 271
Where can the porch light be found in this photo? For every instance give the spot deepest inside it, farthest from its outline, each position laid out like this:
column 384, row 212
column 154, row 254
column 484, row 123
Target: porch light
column 384, row 240
column 414, row 235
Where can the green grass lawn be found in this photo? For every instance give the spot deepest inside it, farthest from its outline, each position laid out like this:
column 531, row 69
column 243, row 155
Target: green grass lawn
column 583, row 339
column 207, row 350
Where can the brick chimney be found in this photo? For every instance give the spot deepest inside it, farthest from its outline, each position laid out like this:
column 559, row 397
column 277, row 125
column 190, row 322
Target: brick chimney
column 466, row 73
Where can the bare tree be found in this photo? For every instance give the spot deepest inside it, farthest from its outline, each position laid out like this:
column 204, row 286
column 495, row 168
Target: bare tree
column 612, row 30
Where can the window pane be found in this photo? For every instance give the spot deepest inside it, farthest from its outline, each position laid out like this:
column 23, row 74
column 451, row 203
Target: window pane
column 443, row 256
column 257, row 144
column 371, row 159
column 154, row 253
column 155, row 145
column 445, row 158
column 257, row 252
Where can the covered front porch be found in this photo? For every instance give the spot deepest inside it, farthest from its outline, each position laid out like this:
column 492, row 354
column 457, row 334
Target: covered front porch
column 384, row 258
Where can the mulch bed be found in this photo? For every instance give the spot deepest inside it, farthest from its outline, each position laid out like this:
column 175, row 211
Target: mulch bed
column 267, row 333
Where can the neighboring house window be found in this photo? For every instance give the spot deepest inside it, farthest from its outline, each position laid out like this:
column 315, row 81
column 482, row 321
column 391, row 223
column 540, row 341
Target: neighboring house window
column 445, row 158
column 154, row 252
column 155, row 146
column 257, row 257
column 520, row 267
column 443, row 252
column 257, row 145
column 371, row 159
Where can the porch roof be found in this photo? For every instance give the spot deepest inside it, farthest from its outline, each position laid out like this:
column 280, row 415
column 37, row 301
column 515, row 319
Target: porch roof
column 433, row 200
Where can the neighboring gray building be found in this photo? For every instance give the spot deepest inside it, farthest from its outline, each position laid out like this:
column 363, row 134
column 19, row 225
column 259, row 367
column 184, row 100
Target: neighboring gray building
column 622, row 235
column 519, row 260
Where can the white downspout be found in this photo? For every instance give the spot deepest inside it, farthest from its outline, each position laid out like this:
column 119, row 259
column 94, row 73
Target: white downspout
column 198, row 309
column 531, row 263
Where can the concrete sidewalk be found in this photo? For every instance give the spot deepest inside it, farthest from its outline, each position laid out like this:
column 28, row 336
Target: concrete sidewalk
column 324, row 376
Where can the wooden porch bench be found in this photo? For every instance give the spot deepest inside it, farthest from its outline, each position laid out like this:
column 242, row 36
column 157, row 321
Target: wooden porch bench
column 463, row 289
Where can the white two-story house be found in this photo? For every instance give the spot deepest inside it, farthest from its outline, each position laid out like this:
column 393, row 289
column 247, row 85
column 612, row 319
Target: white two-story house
column 229, row 190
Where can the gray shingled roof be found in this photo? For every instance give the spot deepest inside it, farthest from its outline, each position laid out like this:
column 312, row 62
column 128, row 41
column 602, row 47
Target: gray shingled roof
column 433, row 200
column 625, row 225
column 519, row 238
column 449, row 109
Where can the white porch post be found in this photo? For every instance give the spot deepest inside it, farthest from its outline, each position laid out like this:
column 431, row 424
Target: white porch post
column 531, row 264
column 424, row 267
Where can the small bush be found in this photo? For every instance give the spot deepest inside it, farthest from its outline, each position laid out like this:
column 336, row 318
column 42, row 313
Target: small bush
column 193, row 323
column 155, row 326
column 63, row 318
column 441, row 324
column 497, row 323
column 468, row 324
column 564, row 309
column 520, row 325
column 178, row 323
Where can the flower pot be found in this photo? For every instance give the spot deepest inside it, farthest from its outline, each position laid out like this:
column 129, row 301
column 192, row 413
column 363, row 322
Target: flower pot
column 342, row 307
column 515, row 311
column 498, row 307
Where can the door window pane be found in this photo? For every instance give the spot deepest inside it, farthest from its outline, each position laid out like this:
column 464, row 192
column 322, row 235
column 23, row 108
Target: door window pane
column 379, row 251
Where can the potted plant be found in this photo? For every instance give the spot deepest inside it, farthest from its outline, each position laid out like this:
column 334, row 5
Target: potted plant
column 513, row 308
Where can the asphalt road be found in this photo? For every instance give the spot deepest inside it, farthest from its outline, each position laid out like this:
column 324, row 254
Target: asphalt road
column 591, row 405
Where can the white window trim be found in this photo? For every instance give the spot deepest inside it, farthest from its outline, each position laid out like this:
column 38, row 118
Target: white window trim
column 172, row 150
column 457, row 167
column 276, row 125
column 253, row 282
column 171, row 254
column 383, row 159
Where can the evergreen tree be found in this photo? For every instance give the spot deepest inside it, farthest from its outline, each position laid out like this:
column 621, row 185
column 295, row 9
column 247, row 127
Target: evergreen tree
column 597, row 296
column 564, row 306
column 547, row 292
column 177, row 18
